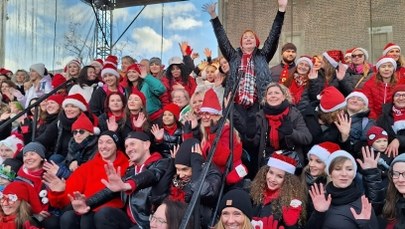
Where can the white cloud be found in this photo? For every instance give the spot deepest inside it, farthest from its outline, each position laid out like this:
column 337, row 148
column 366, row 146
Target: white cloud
column 183, row 23
column 170, row 10
column 148, row 40
column 121, row 14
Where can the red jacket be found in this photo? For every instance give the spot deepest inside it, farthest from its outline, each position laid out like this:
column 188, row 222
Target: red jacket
column 378, row 93
column 87, row 180
column 189, row 87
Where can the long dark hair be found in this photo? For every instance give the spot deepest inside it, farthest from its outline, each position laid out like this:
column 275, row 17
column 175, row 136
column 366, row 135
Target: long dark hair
column 184, row 75
column 82, row 79
column 175, row 210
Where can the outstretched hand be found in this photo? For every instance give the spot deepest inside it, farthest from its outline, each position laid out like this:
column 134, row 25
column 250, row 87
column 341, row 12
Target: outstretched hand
column 369, row 159
column 317, row 193
column 114, row 182
column 78, row 202
column 282, row 5
column 53, row 182
column 366, row 209
column 210, row 8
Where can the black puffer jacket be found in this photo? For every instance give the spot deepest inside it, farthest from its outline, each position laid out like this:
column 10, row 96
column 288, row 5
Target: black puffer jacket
column 358, row 130
column 386, row 121
column 261, row 57
column 81, row 152
column 168, row 142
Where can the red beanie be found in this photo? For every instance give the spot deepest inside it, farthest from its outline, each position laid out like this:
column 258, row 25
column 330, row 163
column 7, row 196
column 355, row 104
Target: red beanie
column 210, row 103
column 333, row 57
column 256, row 37
column 111, row 59
column 173, row 108
column 57, row 98
column 83, row 123
column 374, row 133
column 57, row 80
column 331, row 100
column 140, row 94
column 24, row 191
column 76, row 100
column 134, row 67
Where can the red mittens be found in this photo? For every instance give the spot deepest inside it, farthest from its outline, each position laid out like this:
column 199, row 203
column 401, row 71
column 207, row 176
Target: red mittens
column 291, row 215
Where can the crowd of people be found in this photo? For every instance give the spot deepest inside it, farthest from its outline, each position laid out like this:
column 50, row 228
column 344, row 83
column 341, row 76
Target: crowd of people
column 316, row 141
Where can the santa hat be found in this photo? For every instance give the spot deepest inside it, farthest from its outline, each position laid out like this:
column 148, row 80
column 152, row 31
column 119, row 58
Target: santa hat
column 323, row 150
column 76, row 100
column 307, row 59
column 374, row 133
column 363, row 51
column 76, row 62
column 135, row 67
column 57, row 98
column 210, row 103
column 331, row 100
column 254, row 34
column 386, row 59
column 333, row 57
column 390, row 46
column 57, row 80
column 98, row 62
column 172, row 108
column 285, row 163
column 349, row 52
column 360, row 95
column 140, row 94
column 340, row 153
column 84, row 123
column 111, row 59
column 14, row 143
column 110, row 69
column 19, row 190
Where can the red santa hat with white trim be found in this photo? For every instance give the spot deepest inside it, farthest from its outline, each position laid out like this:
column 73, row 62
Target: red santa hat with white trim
column 210, row 103
column 110, row 69
column 285, row 163
column 76, row 100
column 390, row 46
column 111, row 59
column 323, row 150
column 386, row 59
column 331, row 100
column 98, row 62
column 334, row 57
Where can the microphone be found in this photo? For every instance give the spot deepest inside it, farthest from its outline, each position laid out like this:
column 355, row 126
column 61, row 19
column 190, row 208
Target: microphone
column 383, row 163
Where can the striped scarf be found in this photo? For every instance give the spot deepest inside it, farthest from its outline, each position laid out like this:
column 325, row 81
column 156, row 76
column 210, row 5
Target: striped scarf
column 247, row 93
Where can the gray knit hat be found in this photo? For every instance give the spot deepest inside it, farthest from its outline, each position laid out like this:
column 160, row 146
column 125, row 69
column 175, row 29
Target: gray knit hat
column 39, row 68
column 35, row 147
column 399, row 158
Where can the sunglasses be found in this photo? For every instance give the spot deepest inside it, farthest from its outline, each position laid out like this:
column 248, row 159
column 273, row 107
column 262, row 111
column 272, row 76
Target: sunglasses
column 358, row 55
column 77, row 132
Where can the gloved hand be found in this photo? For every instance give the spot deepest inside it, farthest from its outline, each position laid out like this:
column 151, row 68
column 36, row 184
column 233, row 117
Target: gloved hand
column 265, row 223
column 291, row 215
column 187, row 127
column 236, row 174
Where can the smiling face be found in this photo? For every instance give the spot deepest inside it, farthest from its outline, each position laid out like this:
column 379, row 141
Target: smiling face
column 155, row 68
column 180, row 98
column 9, row 207
column 248, row 41
column 342, row 174
column 6, row 152
column 73, row 69
column 71, row 111
column 399, row 181
column 132, row 75
column 224, row 65
column 184, row 172
column 196, row 102
column 303, row 68
column 316, row 166
column 158, row 220
column 168, row 118
column 358, row 57
column 275, row 178
column 274, row 96
column 289, row 55
column 80, row 135
column 110, row 79
column 115, row 103
column 232, row 218
column 52, row 107
column 137, row 150
column 399, row 99
column 211, row 73
column 32, row 161
column 107, row 148
column 355, row 104
column 394, row 53
column 91, row 74
column 134, row 103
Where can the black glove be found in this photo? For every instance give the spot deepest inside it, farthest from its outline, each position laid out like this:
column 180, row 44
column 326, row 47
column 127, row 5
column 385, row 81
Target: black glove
column 251, row 127
column 187, row 127
column 286, row 127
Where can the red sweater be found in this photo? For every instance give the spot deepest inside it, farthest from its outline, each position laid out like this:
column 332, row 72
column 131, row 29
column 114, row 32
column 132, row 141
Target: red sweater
column 189, row 87
column 87, row 180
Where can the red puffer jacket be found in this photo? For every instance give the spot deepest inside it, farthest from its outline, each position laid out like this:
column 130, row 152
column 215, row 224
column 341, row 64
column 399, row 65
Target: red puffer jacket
column 378, row 93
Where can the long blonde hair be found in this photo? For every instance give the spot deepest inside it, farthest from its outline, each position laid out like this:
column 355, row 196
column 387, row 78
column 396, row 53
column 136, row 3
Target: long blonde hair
column 23, row 213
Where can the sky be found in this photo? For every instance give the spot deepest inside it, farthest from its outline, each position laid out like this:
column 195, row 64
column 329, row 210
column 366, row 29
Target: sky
column 38, row 31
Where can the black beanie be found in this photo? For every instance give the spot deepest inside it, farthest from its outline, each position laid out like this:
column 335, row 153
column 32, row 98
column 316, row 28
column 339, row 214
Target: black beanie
column 239, row 199
column 183, row 155
column 288, row 46
column 113, row 135
column 11, row 173
column 138, row 135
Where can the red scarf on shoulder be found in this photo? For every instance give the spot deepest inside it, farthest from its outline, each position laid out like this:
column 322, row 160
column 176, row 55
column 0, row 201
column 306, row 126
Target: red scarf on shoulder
column 274, row 117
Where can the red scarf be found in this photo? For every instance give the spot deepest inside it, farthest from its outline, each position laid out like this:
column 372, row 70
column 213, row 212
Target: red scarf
column 297, row 88
column 170, row 129
column 177, row 194
column 284, row 74
column 274, row 123
column 247, row 93
column 270, row 195
column 117, row 118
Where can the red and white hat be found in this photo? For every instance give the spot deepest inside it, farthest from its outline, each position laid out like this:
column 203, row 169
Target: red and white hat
column 84, row 123
column 110, row 69
column 331, row 100
column 386, row 59
column 111, row 59
column 390, row 46
column 333, row 57
column 98, row 62
column 374, row 133
column 323, row 150
column 76, row 100
column 14, row 143
column 307, row 59
column 349, row 52
column 363, row 51
column 360, row 95
column 20, row 190
column 136, row 67
column 282, row 162
column 75, row 61
column 210, row 103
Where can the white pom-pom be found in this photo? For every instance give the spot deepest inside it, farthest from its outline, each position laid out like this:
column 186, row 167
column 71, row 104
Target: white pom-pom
column 96, row 130
column 100, row 84
column 319, row 97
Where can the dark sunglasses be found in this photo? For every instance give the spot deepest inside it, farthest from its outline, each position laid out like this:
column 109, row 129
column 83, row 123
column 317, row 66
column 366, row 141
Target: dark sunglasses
column 358, row 55
column 77, row 132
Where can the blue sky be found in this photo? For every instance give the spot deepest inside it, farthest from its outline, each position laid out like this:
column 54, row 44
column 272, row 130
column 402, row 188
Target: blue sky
column 32, row 29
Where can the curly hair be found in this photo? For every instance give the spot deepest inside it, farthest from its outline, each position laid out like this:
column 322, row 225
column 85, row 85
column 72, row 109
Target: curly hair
column 290, row 189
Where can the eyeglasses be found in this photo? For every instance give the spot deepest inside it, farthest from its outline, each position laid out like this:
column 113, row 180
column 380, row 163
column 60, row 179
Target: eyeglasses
column 395, row 174
column 77, row 132
column 160, row 221
column 358, row 55
column 397, row 95
column 9, row 198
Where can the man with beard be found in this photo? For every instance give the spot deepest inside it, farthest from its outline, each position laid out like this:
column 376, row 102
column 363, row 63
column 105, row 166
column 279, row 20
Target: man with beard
column 279, row 73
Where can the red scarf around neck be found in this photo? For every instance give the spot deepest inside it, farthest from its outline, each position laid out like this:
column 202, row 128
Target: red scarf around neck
column 117, row 118
column 270, row 195
column 170, row 129
column 275, row 122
